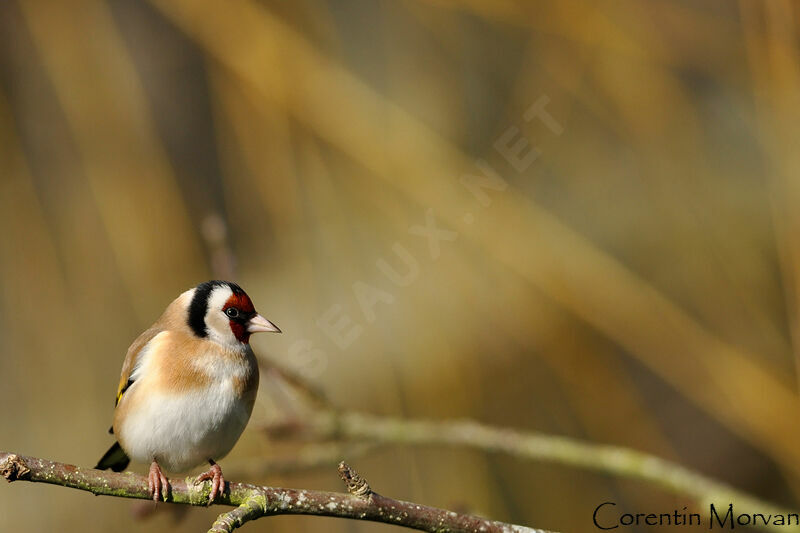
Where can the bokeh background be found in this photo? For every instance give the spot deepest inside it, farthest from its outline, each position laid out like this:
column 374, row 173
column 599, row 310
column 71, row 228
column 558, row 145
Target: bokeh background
column 631, row 277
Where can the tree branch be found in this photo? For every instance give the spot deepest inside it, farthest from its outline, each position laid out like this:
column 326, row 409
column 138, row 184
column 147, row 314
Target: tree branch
column 363, row 428
column 328, row 423
column 253, row 501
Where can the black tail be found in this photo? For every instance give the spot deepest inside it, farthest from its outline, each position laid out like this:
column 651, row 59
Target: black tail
column 115, row 459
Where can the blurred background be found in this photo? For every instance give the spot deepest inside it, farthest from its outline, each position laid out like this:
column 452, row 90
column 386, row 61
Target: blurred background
column 613, row 187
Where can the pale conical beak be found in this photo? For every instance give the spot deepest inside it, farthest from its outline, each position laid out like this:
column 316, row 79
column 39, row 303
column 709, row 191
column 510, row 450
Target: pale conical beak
column 259, row 323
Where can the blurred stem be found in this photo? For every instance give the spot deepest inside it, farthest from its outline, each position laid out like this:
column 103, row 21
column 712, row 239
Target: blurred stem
column 614, row 460
column 311, row 391
column 253, row 501
column 309, row 457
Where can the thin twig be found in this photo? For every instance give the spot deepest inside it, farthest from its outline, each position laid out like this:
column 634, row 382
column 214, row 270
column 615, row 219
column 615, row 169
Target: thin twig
column 298, row 382
column 252, row 501
column 615, row 460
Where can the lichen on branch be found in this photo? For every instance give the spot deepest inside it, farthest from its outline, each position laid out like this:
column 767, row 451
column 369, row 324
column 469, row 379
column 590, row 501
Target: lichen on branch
column 254, row 501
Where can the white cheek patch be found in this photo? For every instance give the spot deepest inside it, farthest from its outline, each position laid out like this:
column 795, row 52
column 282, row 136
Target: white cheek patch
column 217, row 324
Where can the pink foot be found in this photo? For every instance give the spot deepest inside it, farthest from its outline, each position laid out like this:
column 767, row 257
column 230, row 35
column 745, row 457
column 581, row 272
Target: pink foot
column 157, row 482
column 217, row 481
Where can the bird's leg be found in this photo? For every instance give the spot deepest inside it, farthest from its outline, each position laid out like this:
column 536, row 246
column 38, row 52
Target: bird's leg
column 217, row 481
column 157, row 482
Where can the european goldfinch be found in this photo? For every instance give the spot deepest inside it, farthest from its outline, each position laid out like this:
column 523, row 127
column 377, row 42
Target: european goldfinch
column 188, row 386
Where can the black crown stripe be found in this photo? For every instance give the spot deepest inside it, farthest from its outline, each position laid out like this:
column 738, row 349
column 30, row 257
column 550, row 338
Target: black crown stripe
column 199, row 305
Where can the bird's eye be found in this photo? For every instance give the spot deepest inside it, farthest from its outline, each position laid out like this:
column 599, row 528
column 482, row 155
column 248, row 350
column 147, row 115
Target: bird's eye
column 232, row 312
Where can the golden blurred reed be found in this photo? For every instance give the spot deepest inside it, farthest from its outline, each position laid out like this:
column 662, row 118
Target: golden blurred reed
column 629, row 275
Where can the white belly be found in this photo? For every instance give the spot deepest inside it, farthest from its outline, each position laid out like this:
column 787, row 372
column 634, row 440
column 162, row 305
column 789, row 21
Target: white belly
column 183, row 431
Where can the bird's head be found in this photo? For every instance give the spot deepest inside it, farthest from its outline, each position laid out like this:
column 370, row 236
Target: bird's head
column 221, row 311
